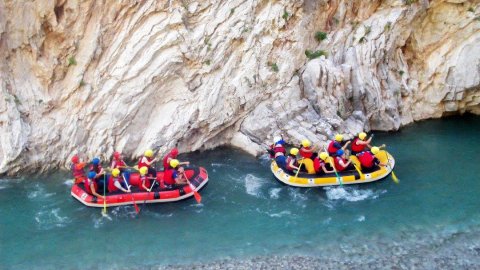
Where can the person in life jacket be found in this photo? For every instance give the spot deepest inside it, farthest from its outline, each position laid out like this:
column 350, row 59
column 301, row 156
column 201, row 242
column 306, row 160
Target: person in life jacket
column 115, row 182
column 340, row 162
column 77, row 169
column 292, row 163
column 146, row 161
column 121, row 165
column 336, row 145
column 368, row 160
column 277, row 151
column 97, row 168
column 91, row 186
column 145, row 179
column 308, row 154
column 171, row 156
column 320, row 163
column 173, row 175
column 359, row 143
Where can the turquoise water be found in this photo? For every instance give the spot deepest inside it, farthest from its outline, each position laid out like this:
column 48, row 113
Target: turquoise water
column 431, row 216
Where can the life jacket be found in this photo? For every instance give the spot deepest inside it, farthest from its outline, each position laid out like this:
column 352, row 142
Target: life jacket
column 332, row 149
column 111, row 183
column 165, row 160
column 289, row 159
column 339, row 167
column 168, row 176
column 77, row 170
column 366, row 159
column 147, row 181
column 305, row 154
column 141, row 163
column 88, row 182
column 118, row 163
column 279, row 149
column 357, row 147
column 95, row 169
column 318, row 164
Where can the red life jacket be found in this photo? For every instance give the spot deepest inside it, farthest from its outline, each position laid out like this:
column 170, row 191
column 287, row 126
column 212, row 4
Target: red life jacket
column 165, row 160
column 318, row 164
column 95, row 169
column 339, row 167
column 331, row 148
column 366, row 159
column 357, row 147
column 147, row 181
column 143, row 164
column 304, row 153
column 118, row 163
column 111, row 183
column 289, row 159
column 88, row 182
column 77, row 170
column 168, row 176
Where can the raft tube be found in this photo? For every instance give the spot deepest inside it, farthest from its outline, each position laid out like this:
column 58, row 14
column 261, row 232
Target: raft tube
column 330, row 179
column 198, row 178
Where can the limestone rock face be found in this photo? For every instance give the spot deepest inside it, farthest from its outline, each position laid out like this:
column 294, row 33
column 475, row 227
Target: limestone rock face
column 91, row 77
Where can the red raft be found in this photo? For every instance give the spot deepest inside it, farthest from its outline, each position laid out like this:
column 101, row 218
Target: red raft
column 198, row 178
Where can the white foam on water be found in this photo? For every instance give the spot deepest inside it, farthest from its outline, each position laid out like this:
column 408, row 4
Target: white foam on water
column 218, row 165
column 327, row 221
column 68, row 182
column 361, row 219
column 253, row 185
column 296, row 195
column 50, row 218
column 351, row 194
column 281, row 214
column 275, row 193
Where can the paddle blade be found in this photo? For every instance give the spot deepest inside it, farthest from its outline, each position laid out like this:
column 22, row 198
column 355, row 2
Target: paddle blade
column 136, row 207
column 395, row 179
column 197, row 197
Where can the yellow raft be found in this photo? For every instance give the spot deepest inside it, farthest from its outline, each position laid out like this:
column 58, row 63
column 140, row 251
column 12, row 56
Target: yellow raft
column 330, row 179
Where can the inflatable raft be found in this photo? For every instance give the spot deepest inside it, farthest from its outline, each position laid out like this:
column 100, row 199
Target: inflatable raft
column 304, row 179
column 198, row 178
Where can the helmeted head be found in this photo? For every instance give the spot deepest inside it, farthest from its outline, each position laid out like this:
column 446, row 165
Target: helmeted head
column 91, row 175
column 116, row 155
column 174, row 163
column 276, row 139
column 375, row 150
column 294, row 151
column 340, row 152
column 143, row 170
column 306, row 143
column 323, row 156
column 339, row 137
column 149, row 153
column 95, row 161
column 174, row 152
column 75, row 159
column 362, row 136
column 115, row 172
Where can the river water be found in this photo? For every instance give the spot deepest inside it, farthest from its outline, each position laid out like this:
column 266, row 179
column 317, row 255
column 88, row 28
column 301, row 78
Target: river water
column 429, row 220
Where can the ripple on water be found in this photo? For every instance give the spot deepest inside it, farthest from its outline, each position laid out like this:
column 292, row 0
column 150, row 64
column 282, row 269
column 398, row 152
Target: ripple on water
column 253, row 185
column 275, row 193
column 38, row 192
column 50, row 218
column 351, row 194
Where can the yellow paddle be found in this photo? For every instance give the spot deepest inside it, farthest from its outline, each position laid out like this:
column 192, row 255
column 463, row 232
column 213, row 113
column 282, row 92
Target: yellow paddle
column 299, row 166
column 394, row 177
column 104, row 210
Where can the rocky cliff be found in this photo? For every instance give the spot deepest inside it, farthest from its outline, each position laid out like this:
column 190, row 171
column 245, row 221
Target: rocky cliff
column 94, row 76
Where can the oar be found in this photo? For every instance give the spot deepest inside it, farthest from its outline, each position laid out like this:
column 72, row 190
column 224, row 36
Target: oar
column 394, row 177
column 149, row 190
column 192, row 187
column 356, row 168
column 104, row 210
column 332, row 163
column 299, row 167
column 133, row 197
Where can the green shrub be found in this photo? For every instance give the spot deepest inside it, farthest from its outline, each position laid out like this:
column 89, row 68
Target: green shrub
column 401, row 72
column 285, row 15
column 72, row 61
column 471, row 9
column 312, row 55
column 320, row 36
column 207, row 62
column 273, row 66
column 387, row 26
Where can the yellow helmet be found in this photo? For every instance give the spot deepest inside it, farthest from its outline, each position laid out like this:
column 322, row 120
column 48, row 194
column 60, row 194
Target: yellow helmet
column 306, row 143
column 362, row 135
column 174, row 163
column 143, row 170
column 115, row 172
column 294, row 151
column 323, row 155
column 149, row 153
column 375, row 150
column 339, row 137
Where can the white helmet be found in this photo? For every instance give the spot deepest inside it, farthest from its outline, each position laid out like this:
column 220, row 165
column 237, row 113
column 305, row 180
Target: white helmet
column 276, row 139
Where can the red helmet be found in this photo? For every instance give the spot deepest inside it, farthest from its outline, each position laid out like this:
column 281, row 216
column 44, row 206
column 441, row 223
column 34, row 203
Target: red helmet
column 116, row 155
column 174, row 152
column 75, row 159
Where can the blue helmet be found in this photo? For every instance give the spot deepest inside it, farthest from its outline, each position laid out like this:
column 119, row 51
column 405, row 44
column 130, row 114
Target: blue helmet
column 91, row 175
column 95, row 161
column 340, row 152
